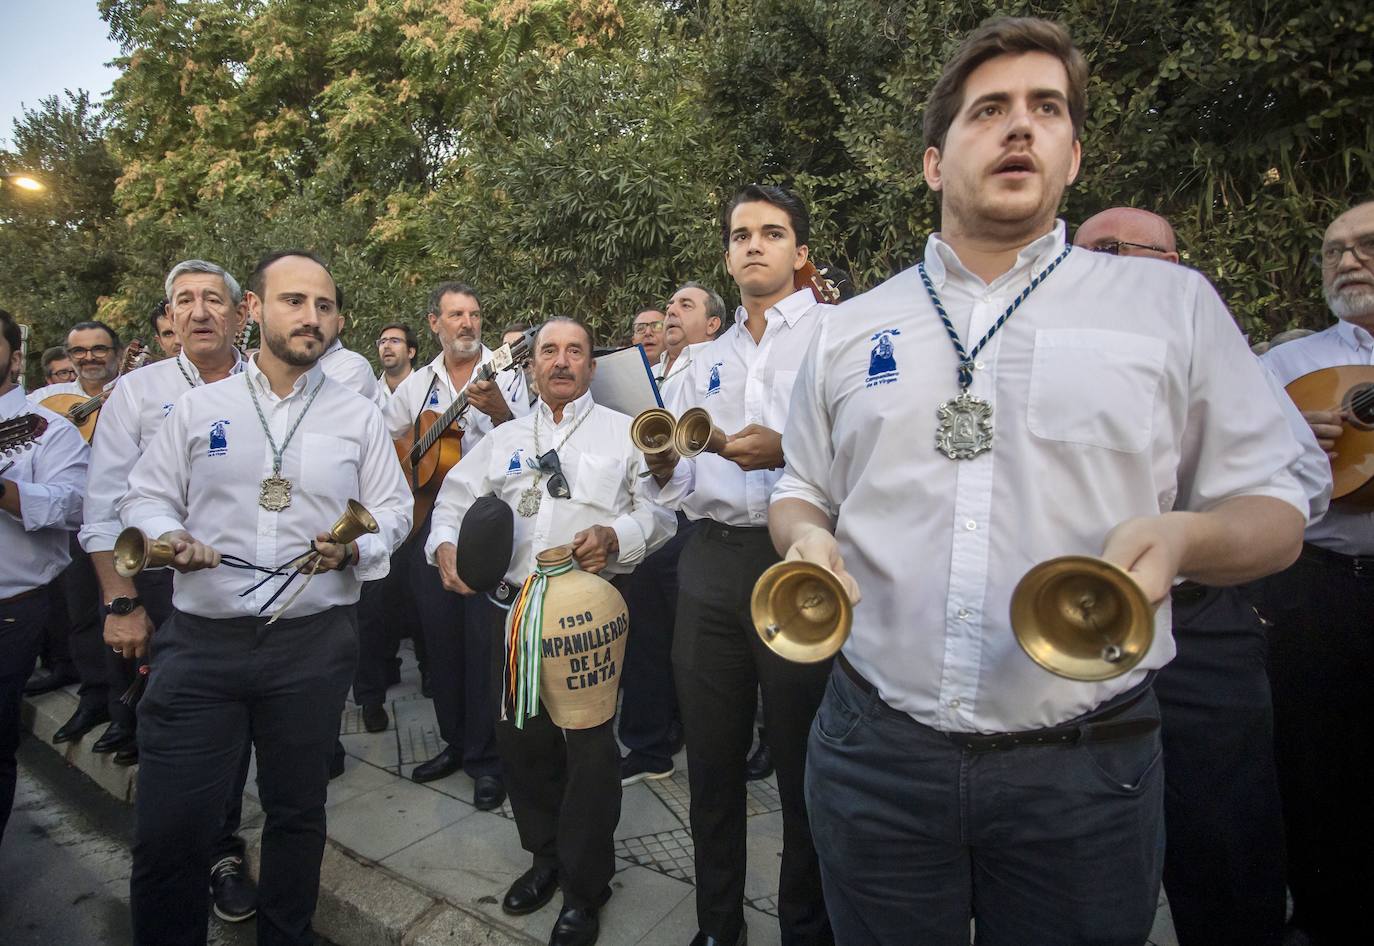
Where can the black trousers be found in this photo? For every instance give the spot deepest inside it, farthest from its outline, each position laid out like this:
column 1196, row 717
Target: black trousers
column 56, row 650
column 21, row 636
column 719, row 662
column 87, row 641
column 1223, row 864
column 459, row 667
column 648, row 704
column 564, row 784
column 386, row 613
column 213, row 684
column 1321, row 665
column 154, row 589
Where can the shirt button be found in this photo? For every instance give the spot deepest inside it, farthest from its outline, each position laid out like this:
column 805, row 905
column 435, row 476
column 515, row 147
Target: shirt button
column 978, row 365
column 963, row 614
column 970, row 525
column 953, row 704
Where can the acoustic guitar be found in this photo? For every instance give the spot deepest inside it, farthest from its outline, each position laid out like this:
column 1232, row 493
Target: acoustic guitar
column 435, row 444
column 809, row 277
column 1348, row 389
column 83, row 410
column 18, row 434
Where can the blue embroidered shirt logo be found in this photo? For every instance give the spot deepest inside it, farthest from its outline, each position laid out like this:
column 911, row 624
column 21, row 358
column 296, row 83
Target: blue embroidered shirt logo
column 166, row 410
column 219, row 443
column 434, row 397
column 513, row 468
column 882, row 361
column 713, row 385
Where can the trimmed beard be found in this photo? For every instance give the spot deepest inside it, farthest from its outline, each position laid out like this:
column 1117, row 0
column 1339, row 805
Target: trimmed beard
column 281, row 348
column 1354, row 302
column 465, row 348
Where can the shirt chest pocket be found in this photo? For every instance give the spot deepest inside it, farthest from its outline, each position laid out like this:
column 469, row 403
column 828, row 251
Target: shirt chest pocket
column 598, row 481
column 1095, row 387
column 329, row 466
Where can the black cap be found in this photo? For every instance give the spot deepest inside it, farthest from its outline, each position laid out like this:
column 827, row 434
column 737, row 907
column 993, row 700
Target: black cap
column 485, row 543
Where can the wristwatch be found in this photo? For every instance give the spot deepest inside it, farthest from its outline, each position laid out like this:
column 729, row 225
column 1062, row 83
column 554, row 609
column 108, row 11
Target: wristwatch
column 123, row 605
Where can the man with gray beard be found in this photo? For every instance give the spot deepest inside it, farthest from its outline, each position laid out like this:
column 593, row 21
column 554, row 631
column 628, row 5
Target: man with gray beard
column 1322, row 651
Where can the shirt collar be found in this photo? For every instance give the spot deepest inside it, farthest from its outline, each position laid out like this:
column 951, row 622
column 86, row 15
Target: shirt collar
column 333, row 346
column 438, row 367
column 1354, row 336
column 14, row 402
column 942, row 262
column 306, row 381
column 790, row 309
column 190, row 368
column 571, row 410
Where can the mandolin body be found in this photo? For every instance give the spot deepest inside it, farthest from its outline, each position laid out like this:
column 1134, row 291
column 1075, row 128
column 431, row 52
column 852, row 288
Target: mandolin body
column 64, row 403
column 1336, row 389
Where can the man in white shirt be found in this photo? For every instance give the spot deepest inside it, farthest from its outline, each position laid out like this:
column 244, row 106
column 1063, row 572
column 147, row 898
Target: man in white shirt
column 650, row 726
column 1005, row 402
column 164, row 329
column 647, row 332
column 396, row 350
column 95, row 351
column 1322, row 652
column 40, row 501
column 575, row 458
column 351, row 370
column 744, row 380
column 458, row 675
column 251, row 471
column 1223, row 863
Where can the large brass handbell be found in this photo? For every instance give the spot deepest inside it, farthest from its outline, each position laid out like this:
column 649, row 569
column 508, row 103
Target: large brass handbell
column 696, row 434
column 652, row 431
column 134, row 551
column 355, row 521
column 801, row 611
column 1082, row 618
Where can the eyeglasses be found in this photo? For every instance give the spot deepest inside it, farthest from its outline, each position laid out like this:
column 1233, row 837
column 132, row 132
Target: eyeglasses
column 99, row 351
column 390, row 341
column 558, row 483
column 1113, row 247
column 648, row 328
column 1363, row 248
column 62, row 374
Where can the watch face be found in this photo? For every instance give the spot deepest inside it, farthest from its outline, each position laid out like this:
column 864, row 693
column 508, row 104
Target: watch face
column 123, row 605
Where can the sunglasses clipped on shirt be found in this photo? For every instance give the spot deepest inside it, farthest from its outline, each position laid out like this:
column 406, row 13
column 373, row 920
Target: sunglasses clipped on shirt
column 550, row 467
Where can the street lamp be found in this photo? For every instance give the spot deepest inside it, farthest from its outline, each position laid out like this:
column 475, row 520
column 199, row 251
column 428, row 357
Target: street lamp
column 25, row 182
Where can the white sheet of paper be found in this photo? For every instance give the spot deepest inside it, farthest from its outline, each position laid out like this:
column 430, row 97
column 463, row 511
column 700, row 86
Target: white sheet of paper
column 625, row 382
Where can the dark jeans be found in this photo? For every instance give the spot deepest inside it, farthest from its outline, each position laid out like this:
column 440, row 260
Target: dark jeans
column 21, row 635
column 1223, row 865
column 1321, row 667
column 1053, row 846
column 648, row 704
column 720, row 663
column 386, row 613
column 213, row 683
column 459, row 667
column 87, row 641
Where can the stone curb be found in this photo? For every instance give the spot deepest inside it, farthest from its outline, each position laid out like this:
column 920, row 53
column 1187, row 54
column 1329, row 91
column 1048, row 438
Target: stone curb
column 361, row 902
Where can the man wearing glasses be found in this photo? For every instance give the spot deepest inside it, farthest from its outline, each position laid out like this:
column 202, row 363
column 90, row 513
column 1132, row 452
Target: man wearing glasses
column 93, row 347
column 1127, row 231
column 572, row 476
column 57, row 367
column 396, row 350
column 648, row 333
column 1322, row 652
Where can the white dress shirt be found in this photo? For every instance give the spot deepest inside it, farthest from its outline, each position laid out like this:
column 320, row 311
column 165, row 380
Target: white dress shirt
column 203, row 471
column 1346, row 529
column 50, row 476
column 131, row 417
column 664, row 374
column 740, row 382
column 351, row 370
column 415, row 394
column 601, row 466
column 61, row 387
column 1120, row 388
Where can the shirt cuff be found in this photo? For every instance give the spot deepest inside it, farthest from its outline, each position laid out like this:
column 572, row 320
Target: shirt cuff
column 790, row 487
column 99, row 536
column 158, row 526
column 630, row 536
column 438, row 535
column 36, row 507
column 374, row 560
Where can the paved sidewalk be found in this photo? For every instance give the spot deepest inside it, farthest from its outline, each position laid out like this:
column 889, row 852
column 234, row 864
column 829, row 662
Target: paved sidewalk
column 418, row 864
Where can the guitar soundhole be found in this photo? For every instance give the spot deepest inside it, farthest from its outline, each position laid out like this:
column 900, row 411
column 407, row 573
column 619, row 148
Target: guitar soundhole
column 1358, row 406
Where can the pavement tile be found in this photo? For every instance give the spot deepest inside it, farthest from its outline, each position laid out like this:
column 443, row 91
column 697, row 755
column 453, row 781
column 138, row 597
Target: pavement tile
column 378, row 823
column 643, row 812
column 358, row 778
column 473, row 860
column 680, row 925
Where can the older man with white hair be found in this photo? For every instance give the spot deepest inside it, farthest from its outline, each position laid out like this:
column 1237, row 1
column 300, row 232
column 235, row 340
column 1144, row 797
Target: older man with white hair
column 1322, row 649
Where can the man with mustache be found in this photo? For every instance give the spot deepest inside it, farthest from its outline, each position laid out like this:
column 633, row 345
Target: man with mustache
column 253, row 469
column 458, row 662
column 1007, row 401
column 1322, row 651
column 94, row 350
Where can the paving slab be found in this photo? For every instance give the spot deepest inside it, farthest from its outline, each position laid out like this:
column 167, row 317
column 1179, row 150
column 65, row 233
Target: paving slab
column 385, row 820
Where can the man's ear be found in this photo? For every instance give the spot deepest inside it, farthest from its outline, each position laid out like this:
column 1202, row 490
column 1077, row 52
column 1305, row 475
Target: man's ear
column 930, row 163
column 799, row 261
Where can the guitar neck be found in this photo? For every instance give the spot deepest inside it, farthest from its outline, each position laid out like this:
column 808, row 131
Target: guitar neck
column 455, row 410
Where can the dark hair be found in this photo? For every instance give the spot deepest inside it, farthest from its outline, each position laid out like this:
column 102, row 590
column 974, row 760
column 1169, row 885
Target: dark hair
column 436, row 297
column 411, row 341
column 779, row 197
column 257, row 282
column 521, row 327
column 55, row 353
column 563, row 319
column 997, row 37
column 13, row 337
column 93, row 324
column 159, row 312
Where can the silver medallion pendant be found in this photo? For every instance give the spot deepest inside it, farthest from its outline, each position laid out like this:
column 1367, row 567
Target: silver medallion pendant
column 965, row 428
column 529, row 502
column 275, row 493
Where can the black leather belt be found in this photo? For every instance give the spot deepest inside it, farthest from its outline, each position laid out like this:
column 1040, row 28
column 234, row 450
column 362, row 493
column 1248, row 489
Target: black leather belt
column 1101, row 725
column 1361, row 566
column 24, row 595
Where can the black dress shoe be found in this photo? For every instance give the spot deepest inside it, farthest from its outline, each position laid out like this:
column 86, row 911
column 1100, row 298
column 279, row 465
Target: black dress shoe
column 443, row 764
column 83, row 721
column 232, row 892
column 128, row 755
column 575, row 927
column 760, row 764
column 534, row 888
column 375, row 718
column 706, row 939
column 115, row 737
column 488, row 793
column 45, row 681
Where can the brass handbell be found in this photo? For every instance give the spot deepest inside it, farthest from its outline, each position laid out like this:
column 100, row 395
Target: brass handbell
column 134, row 551
column 652, row 431
column 696, row 434
column 801, row 611
column 354, row 522
column 1082, row 618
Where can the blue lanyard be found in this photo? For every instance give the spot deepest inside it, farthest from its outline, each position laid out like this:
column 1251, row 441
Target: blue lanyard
column 966, row 359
